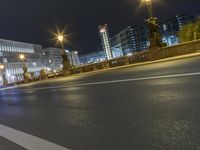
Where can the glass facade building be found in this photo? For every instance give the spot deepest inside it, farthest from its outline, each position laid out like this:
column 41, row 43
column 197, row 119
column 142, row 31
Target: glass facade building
column 170, row 28
column 122, row 43
column 36, row 59
column 130, row 40
column 9, row 56
column 136, row 38
column 75, row 58
column 55, row 59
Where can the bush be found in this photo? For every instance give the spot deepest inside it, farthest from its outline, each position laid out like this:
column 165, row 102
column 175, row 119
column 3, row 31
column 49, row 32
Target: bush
column 190, row 32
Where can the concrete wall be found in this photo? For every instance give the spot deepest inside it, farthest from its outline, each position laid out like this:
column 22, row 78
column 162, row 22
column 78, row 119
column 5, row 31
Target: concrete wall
column 181, row 49
column 152, row 54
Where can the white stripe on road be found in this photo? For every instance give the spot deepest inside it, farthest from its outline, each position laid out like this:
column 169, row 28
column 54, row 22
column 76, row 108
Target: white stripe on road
column 27, row 141
column 113, row 81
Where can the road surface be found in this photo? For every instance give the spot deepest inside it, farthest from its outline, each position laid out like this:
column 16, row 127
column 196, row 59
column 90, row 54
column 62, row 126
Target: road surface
column 149, row 107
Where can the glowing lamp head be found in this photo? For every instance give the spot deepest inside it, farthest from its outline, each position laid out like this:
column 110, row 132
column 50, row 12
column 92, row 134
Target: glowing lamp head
column 146, row 1
column 22, row 56
column 60, row 38
column 1, row 67
column 102, row 30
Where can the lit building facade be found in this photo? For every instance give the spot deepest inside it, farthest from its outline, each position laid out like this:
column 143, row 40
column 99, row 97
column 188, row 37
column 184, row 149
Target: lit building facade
column 75, row 58
column 170, row 28
column 130, row 40
column 121, row 44
column 92, row 57
column 140, row 38
column 55, row 58
column 105, row 39
column 136, row 38
column 9, row 57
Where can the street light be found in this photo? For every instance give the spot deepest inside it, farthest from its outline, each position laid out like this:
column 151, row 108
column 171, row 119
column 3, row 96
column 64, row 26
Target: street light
column 65, row 61
column 149, row 6
column 2, row 69
column 22, row 57
column 148, row 3
column 26, row 75
column 152, row 22
column 60, row 38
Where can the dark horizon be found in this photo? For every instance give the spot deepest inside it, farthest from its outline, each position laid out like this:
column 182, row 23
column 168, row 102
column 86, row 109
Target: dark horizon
column 81, row 18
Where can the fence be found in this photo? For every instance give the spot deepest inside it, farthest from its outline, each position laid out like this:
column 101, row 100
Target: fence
column 153, row 54
column 139, row 57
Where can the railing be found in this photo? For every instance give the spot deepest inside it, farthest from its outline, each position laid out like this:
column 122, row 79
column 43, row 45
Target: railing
column 135, row 58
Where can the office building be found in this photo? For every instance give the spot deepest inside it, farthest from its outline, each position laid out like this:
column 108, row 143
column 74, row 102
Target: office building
column 136, row 38
column 130, row 40
column 55, row 58
column 140, row 38
column 105, row 40
column 75, row 58
column 170, row 28
column 121, row 44
column 9, row 56
column 92, row 57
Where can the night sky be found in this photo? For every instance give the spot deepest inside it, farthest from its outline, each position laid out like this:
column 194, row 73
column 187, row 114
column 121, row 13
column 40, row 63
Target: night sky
column 32, row 20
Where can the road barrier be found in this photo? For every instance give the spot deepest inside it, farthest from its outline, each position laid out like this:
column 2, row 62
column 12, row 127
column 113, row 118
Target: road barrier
column 177, row 50
column 138, row 57
column 148, row 55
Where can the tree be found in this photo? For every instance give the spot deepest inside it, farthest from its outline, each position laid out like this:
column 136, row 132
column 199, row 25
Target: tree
column 190, row 32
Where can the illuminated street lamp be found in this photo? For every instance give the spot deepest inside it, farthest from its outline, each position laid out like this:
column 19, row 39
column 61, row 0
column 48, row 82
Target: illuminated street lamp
column 149, row 6
column 2, row 66
column 60, row 38
column 152, row 22
column 2, row 70
column 65, row 61
column 26, row 75
column 22, row 57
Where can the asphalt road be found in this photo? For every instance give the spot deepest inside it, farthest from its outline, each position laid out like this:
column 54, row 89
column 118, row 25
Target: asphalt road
column 149, row 107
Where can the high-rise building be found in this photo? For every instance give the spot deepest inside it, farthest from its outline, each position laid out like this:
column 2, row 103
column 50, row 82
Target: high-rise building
column 140, row 38
column 105, row 39
column 122, row 43
column 170, row 28
column 130, row 40
column 136, row 38
column 75, row 58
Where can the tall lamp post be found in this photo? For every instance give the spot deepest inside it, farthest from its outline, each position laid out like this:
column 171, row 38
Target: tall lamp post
column 152, row 22
column 65, row 61
column 149, row 6
column 2, row 69
column 26, row 75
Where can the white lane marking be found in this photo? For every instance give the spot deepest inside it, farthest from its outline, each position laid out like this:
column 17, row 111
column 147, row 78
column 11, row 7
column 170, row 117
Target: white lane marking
column 112, row 81
column 27, row 141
